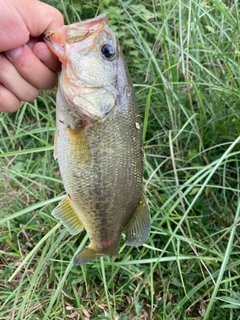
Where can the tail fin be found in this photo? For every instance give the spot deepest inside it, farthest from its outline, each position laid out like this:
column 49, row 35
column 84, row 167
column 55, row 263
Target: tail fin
column 86, row 255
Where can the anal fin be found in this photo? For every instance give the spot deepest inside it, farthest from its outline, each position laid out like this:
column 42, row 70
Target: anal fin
column 138, row 228
column 89, row 253
column 86, row 255
column 66, row 214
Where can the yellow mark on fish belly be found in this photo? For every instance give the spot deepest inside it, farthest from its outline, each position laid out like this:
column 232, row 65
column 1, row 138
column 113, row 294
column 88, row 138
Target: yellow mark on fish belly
column 80, row 147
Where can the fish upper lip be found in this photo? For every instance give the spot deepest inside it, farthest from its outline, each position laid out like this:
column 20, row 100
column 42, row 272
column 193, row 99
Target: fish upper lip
column 80, row 30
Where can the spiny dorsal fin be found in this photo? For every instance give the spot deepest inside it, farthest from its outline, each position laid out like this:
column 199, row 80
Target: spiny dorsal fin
column 66, row 214
column 138, row 228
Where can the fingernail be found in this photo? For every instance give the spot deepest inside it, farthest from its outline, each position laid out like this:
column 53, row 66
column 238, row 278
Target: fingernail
column 14, row 53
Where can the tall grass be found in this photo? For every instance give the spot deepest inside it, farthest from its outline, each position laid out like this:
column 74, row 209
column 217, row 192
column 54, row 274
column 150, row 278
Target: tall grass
column 183, row 57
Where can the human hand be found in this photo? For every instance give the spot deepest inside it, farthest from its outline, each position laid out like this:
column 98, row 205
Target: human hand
column 26, row 63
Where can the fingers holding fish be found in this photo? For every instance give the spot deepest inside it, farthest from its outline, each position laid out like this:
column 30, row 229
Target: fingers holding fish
column 31, row 68
column 14, row 87
column 22, row 74
column 44, row 54
column 50, row 60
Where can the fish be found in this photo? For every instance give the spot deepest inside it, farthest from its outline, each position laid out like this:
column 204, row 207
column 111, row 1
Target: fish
column 98, row 140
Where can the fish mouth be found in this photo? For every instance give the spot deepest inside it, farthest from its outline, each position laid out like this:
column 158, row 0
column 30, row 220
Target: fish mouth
column 77, row 31
column 81, row 30
column 58, row 40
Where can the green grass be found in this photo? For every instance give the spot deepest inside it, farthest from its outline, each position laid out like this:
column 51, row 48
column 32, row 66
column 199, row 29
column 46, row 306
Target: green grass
column 184, row 60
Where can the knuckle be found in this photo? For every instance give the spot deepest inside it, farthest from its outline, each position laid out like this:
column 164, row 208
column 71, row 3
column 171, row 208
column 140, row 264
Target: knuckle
column 4, row 65
column 58, row 15
column 49, row 82
column 29, row 95
column 8, row 102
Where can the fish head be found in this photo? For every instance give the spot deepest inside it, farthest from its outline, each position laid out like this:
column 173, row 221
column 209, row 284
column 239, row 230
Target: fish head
column 89, row 53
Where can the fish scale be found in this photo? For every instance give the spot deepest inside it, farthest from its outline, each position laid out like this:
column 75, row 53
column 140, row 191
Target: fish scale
column 99, row 150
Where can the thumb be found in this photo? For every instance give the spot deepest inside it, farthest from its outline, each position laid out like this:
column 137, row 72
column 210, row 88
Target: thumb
column 24, row 18
column 39, row 16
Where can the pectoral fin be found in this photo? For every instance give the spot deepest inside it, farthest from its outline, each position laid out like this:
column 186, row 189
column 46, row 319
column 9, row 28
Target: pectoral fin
column 138, row 228
column 66, row 214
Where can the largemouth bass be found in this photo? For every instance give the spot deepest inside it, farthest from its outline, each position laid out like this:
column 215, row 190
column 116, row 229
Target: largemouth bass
column 98, row 140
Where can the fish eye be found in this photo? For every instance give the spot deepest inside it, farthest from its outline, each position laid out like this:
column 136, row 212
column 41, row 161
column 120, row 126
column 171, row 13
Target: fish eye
column 108, row 51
